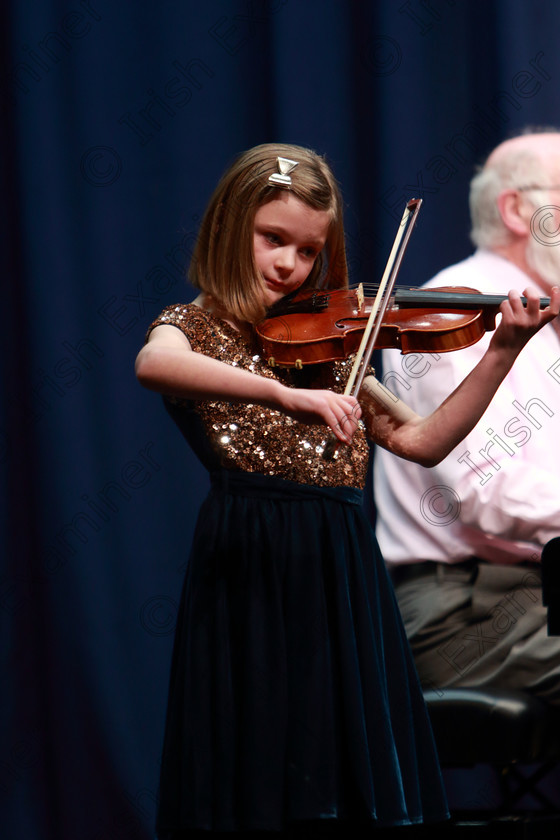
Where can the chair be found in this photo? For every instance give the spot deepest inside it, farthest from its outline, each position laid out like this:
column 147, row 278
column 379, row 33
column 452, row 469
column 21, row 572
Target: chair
column 503, row 729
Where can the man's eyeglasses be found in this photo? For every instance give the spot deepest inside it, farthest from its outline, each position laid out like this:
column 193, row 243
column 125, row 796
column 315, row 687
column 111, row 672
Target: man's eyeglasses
column 534, row 187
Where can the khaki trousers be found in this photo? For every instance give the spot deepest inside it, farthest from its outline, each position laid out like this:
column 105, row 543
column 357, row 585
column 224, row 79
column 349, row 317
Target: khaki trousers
column 478, row 624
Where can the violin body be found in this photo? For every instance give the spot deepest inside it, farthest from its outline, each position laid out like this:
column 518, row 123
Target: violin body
column 332, row 323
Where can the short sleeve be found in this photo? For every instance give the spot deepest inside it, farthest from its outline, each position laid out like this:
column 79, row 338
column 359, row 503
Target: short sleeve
column 183, row 316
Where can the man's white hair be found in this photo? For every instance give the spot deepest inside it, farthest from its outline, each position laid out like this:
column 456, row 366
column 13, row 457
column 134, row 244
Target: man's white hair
column 519, row 168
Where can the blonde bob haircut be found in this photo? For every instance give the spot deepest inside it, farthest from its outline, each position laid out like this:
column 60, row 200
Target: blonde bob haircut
column 223, row 263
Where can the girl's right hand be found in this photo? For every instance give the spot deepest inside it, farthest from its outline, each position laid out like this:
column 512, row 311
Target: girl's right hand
column 337, row 411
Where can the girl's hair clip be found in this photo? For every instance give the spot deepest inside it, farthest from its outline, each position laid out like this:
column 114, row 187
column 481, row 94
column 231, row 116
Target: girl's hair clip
column 282, row 177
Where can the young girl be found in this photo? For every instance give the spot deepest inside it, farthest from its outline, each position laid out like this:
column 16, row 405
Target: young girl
column 293, row 696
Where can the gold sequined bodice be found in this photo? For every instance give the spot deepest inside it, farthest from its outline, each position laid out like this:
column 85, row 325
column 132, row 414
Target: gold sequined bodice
column 252, row 438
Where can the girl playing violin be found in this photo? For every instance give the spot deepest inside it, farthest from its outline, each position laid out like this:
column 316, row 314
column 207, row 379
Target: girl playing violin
column 293, row 697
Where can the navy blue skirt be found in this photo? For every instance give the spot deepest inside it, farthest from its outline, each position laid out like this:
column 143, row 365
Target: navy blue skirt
column 293, row 693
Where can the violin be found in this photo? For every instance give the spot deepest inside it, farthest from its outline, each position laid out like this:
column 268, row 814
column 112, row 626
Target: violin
column 316, row 326
column 325, row 326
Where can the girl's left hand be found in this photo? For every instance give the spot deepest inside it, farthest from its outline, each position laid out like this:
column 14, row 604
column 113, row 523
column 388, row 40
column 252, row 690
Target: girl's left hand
column 520, row 322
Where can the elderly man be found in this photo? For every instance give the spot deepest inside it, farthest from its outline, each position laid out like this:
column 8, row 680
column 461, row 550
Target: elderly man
column 464, row 540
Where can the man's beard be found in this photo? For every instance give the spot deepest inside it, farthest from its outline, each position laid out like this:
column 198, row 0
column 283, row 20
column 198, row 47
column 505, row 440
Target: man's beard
column 544, row 259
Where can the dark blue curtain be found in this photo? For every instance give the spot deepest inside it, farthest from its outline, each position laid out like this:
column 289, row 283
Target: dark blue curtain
column 117, row 120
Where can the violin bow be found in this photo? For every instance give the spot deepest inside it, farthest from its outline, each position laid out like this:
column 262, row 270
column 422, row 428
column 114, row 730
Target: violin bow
column 380, row 305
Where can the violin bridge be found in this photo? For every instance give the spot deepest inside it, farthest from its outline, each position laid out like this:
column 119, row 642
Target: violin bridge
column 360, row 295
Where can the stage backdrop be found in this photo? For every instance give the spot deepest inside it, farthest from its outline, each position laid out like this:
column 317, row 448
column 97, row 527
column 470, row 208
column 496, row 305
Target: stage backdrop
column 118, row 118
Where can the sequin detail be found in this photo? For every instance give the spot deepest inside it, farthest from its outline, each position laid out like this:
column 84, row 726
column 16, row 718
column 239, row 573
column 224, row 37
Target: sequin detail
column 252, row 438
